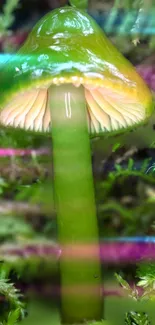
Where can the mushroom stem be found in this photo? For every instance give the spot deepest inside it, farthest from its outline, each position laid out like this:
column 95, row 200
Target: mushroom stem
column 75, row 205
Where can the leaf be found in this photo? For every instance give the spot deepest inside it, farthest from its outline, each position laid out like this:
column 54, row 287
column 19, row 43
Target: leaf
column 13, row 317
column 118, row 167
column 13, row 296
column 136, row 318
column 122, row 282
column 142, row 283
column 130, row 164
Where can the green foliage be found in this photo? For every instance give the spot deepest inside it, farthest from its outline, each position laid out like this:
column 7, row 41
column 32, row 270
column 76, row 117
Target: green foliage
column 26, row 266
column 131, row 292
column 3, row 185
column 146, row 274
column 136, row 318
column 135, row 216
column 102, row 322
column 12, row 228
column 133, row 317
column 7, row 17
column 38, row 193
column 12, row 317
column 16, row 309
column 17, row 138
column 106, row 186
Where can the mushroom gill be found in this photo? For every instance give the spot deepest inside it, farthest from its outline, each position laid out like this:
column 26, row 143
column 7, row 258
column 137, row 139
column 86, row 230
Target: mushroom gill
column 107, row 110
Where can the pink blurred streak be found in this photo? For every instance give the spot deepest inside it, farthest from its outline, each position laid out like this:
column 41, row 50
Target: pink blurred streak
column 10, row 152
column 48, row 290
column 53, row 290
column 110, row 252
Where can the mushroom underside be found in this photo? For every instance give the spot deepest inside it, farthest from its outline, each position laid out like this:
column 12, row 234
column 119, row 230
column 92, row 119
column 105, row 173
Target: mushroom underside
column 107, row 110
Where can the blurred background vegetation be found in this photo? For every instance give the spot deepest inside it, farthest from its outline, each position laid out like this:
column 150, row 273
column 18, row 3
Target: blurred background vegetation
column 124, row 172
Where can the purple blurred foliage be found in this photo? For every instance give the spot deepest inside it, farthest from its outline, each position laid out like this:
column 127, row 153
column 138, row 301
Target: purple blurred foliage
column 147, row 71
column 111, row 253
column 127, row 252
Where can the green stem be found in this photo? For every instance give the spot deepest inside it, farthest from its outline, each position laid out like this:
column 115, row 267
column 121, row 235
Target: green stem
column 76, row 213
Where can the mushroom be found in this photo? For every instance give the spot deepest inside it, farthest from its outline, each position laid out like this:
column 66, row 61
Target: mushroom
column 68, row 79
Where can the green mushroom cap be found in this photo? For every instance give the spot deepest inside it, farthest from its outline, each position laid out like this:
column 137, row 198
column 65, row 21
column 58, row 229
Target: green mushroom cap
column 67, row 46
